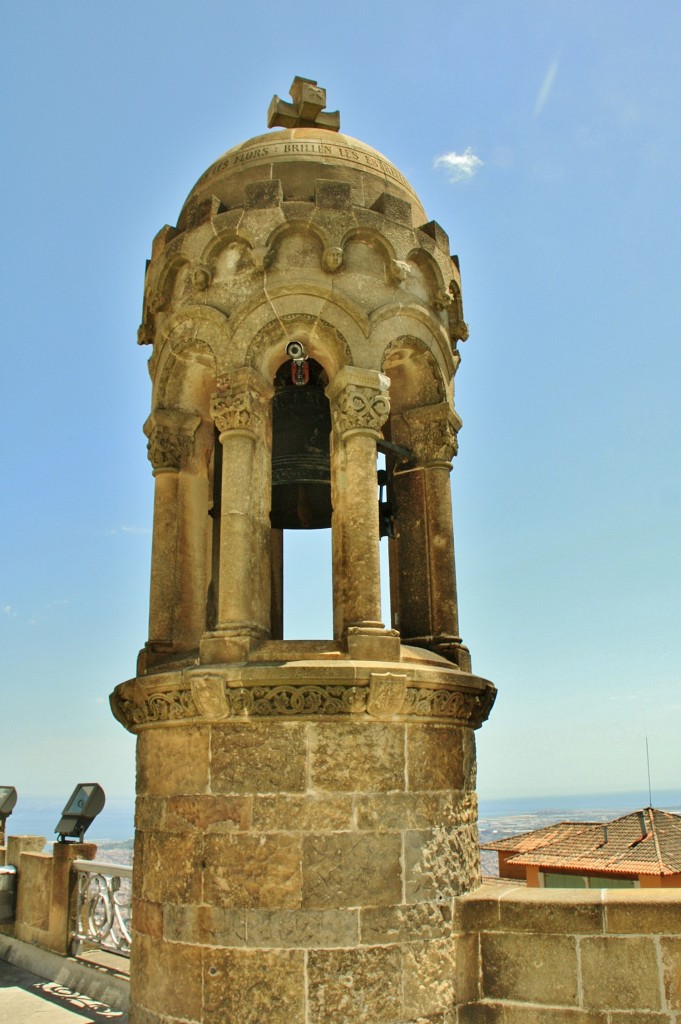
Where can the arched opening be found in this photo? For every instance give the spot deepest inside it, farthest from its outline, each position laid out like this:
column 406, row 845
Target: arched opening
column 301, row 500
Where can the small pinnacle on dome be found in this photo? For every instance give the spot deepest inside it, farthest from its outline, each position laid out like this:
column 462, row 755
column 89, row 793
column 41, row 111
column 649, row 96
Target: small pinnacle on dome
column 307, row 109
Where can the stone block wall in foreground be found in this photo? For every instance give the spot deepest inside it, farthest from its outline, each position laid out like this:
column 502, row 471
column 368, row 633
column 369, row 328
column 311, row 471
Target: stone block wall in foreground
column 571, row 957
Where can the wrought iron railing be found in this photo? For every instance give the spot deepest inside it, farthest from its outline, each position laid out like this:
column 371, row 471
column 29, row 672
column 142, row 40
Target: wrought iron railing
column 102, row 907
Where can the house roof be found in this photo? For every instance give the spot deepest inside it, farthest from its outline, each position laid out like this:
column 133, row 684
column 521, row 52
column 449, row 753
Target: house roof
column 646, row 842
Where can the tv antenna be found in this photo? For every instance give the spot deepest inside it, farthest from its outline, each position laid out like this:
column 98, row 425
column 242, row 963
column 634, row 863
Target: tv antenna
column 650, row 795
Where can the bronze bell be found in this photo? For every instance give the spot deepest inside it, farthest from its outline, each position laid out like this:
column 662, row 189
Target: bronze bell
column 301, row 461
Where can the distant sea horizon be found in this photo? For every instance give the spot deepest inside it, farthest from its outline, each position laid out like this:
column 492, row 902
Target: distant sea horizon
column 39, row 815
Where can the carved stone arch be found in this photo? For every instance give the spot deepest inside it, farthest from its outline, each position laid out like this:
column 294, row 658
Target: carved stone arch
column 457, row 302
column 187, row 363
column 397, row 320
column 429, row 267
column 166, row 281
column 323, row 341
column 290, row 228
column 225, row 237
column 373, row 238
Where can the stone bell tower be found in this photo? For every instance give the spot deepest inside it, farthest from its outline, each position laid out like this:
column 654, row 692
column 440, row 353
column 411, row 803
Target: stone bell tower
column 306, row 810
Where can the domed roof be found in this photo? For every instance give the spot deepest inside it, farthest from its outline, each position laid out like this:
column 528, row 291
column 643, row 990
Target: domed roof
column 298, row 157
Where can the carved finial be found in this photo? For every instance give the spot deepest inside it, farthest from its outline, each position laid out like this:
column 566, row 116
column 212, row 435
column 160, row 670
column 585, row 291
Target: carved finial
column 307, row 109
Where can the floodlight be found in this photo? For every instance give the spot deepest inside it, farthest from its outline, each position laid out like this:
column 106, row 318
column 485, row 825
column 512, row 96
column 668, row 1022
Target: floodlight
column 8, row 798
column 81, row 809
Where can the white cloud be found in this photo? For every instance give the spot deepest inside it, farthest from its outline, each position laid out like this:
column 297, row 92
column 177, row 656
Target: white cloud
column 459, row 166
column 9, row 611
column 545, row 88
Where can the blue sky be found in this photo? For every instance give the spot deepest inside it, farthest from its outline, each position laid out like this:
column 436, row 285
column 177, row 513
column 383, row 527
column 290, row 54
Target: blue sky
column 544, row 137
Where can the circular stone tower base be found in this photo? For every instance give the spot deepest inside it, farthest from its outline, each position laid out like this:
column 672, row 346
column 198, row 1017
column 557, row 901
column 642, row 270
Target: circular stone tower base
column 302, row 829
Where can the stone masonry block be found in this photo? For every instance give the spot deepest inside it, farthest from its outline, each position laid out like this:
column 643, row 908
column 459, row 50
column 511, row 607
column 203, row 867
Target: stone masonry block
column 530, row 968
column 358, row 985
column 208, row 814
column 258, row 757
column 620, row 973
column 205, row 926
column 439, row 757
column 351, row 869
column 643, row 911
column 315, row 813
column 394, row 208
column 305, row 929
column 333, row 195
column 385, row 925
column 246, row 870
column 357, row 756
column 172, row 872
column 166, row 976
column 172, row 760
column 253, row 987
column 671, row 965
column 439, row 863
column 440, row 236
column 263, row 194
column 519, row 1014
column 567, row 912
column 428, row 977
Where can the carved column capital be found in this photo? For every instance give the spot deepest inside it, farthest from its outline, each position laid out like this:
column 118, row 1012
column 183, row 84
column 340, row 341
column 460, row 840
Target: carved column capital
column 170, row 438
column 241, row 402
column 433, row 432
column 359, row 400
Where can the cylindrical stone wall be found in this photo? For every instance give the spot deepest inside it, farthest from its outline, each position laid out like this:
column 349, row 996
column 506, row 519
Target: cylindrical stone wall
column 300, row 872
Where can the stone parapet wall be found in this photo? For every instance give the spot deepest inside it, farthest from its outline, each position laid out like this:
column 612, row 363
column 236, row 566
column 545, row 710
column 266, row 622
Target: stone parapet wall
column 604, row 956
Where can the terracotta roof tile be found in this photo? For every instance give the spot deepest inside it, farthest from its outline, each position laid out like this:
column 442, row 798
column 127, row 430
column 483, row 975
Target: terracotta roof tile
column 615, row 846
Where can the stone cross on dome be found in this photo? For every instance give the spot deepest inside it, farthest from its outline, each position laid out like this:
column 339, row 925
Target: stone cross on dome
column 307, row 109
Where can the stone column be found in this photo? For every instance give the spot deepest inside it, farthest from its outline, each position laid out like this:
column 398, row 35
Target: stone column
column 242, row 412
column 177, row 600
column 426, row 580
column 359, row 408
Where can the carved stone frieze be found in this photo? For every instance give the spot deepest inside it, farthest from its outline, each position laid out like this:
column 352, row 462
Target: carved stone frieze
column 433, row 431
column 387, row 695
column 241, row 403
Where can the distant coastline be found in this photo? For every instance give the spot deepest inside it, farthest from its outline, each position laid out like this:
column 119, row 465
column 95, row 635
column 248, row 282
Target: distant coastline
column 497, row 817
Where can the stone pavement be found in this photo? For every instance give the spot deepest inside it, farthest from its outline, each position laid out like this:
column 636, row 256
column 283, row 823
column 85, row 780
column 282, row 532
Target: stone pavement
column 29, row 998
column 26, row 998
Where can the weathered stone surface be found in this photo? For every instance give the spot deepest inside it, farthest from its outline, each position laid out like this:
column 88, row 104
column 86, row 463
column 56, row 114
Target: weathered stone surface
column 205, row 925
column 387, row 811
column 385, row 925
column 671, row 963
column 428, row 972
column 440, row 863
column 351, row 869
column 258, row 757
column 570, row 912
column 358, row 985
column 150, row 813
column 166, row 977
column 245, row 870
column 147, row 918
column 207, row 814
column 307, row 929
column 172, row 761
column 245, row 987
column 644, row 910
column 540, row 969
column 313, row 813
column 357, row 756
column 619, row 973
column 172, row 867
column 439, row 757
